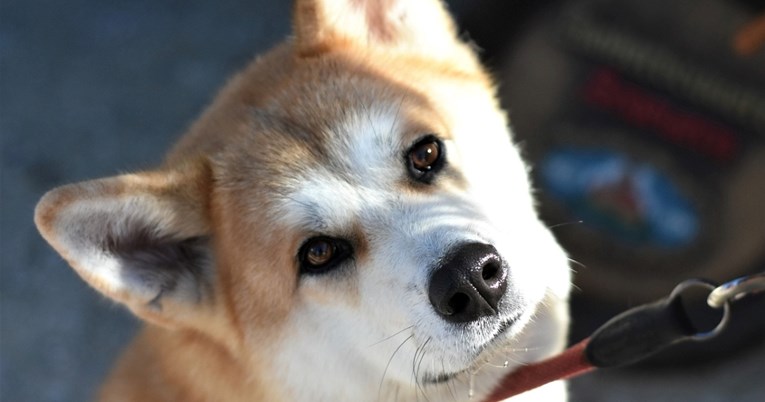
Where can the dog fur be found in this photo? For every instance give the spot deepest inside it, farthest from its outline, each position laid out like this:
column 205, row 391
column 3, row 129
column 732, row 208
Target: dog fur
column 311, row 140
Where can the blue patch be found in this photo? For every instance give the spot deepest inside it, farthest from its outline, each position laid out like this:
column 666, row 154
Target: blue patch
column 613, row 193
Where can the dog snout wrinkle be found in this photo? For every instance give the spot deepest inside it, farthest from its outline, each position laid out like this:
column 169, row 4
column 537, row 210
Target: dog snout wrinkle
column 469, row 283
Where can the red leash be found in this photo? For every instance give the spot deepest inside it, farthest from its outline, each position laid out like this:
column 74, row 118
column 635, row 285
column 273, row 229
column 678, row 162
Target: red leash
column 571, row 363
column 632, row 336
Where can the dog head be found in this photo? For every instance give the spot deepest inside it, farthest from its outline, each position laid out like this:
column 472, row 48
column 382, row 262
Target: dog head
column 350, row 214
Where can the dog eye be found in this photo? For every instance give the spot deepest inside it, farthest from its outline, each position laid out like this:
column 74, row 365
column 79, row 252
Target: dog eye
column 425, row 158
column 321, row 254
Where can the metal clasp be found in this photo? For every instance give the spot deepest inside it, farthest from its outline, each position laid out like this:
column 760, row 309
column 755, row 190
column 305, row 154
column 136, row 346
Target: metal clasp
column 736, row 289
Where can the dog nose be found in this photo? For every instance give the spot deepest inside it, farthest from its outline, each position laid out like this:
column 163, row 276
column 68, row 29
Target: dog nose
column 469, row 283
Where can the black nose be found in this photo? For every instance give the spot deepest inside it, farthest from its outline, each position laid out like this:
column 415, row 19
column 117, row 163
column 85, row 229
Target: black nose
column 469, row 283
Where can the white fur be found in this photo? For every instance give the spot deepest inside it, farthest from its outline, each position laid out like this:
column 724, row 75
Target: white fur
column 82, row 227
column 373, row 344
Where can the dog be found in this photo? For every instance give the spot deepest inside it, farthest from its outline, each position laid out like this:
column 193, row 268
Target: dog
column 349, row 220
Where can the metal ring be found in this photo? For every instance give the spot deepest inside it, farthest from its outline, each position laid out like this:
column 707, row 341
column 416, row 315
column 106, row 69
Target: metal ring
column 690, row 283
column 736, row 289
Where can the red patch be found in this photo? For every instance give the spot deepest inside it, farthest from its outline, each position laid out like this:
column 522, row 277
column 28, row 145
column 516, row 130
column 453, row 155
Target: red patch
column 607, row 90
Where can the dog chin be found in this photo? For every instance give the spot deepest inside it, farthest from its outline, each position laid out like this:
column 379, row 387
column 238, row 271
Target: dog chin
column 499, row 346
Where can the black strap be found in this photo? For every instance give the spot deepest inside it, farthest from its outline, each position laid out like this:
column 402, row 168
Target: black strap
column 641, row 332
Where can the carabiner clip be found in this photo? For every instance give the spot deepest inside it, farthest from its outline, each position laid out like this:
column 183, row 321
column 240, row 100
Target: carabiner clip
column 736, row 289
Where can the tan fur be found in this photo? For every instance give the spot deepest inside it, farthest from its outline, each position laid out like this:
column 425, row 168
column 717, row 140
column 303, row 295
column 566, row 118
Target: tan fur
column 195, row 350
column 156, row 367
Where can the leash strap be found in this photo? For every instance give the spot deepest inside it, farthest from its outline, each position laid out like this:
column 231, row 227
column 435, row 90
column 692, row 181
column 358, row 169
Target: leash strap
column 571, row 363
column 645, row 330
column 633, row 335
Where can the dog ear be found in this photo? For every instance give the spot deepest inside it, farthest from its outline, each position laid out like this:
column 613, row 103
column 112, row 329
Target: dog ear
column 140, row 239
column 419, row 25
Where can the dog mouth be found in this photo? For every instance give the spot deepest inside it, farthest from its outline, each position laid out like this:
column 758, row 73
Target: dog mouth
column 504, row 327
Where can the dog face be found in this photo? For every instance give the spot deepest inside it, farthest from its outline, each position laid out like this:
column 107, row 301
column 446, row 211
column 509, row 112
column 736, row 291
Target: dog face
column 349, row 218
column 427, row 245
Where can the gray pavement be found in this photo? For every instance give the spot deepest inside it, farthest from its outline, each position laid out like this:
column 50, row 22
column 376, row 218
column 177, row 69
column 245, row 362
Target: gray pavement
column 93, row 88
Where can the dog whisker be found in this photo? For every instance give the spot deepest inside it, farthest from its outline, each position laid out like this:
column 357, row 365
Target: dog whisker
column 382, row 380
column 471, row 384
column 503, row 365
column 391, row 336
column 415, row 368
column 565, row 224
column 419, row 363
column 449, row 383
column 577, row 262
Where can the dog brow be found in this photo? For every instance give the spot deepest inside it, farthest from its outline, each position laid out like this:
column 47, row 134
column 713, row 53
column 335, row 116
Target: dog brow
column 310, row 216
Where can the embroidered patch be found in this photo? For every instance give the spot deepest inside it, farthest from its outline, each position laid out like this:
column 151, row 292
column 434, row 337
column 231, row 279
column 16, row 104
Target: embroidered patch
column 631, row 200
